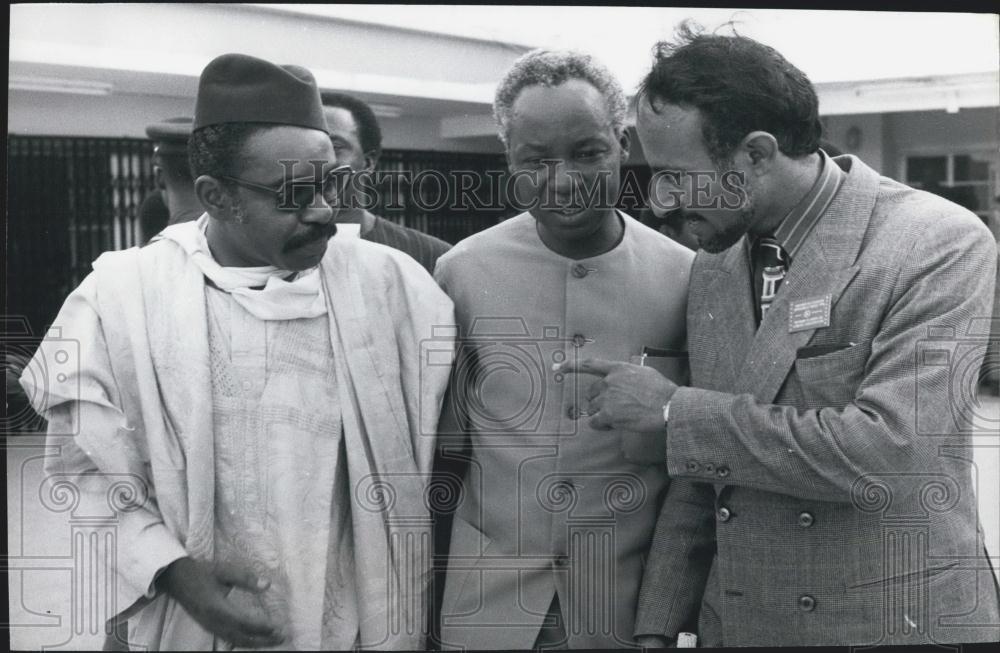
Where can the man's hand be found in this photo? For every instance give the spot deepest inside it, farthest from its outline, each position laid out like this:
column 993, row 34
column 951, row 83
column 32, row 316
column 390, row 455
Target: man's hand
column 628, row 397
column 201, row 588
column 653, row 641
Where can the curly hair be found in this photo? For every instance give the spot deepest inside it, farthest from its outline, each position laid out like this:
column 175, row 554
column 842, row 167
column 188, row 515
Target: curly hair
column 214, row 150
column 552, row 68
column 738, row 85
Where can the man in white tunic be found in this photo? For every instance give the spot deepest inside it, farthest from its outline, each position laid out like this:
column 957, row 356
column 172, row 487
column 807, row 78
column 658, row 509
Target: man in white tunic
column 275, row 421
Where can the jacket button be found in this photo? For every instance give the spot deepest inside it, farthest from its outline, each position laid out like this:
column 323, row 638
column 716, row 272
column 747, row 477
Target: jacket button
column 807, row 603
column 693, row 466
column 722, row 471
column 709, row 468
column 580, row 271
column 571, row 412
column 806, row 519
column 724, row 514
column 562, row 561
column 579, row 340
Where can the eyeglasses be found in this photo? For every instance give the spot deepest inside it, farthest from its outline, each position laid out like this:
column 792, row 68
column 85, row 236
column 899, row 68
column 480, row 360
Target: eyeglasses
column 297, row 194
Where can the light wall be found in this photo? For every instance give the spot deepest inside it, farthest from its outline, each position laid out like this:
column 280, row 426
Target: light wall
column 938, row 131
column 121, row 115
column 860, row 135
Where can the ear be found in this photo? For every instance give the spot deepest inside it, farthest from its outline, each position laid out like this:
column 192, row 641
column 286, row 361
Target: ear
column 759, row 151
column 158, row 178
column 371, row 160
column 625, row 142
column 214, row 197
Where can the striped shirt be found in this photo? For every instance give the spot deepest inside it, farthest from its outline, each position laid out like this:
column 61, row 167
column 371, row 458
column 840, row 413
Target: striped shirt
column 803, row 217
column 420, row 246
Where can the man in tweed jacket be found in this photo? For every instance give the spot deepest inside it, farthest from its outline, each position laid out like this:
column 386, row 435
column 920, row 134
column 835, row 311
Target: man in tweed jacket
column 821, row 460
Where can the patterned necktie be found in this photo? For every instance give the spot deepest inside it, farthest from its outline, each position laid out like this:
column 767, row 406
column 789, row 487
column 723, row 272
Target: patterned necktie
column 770, row 266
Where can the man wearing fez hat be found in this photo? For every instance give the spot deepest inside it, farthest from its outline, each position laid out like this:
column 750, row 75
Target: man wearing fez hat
column 174, row 184
column 265, row 415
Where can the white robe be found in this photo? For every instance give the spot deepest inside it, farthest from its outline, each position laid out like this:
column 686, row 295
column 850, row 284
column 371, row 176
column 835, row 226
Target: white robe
column 135, row 395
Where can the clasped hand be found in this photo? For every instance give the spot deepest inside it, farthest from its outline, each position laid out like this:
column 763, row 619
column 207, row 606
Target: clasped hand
column 201, row 587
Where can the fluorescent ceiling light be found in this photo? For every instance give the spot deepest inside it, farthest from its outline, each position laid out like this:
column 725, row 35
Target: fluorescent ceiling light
column 57, row 85
column 386, row 110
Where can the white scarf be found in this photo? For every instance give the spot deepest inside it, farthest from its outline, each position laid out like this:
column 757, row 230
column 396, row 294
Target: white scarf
column 277, row 300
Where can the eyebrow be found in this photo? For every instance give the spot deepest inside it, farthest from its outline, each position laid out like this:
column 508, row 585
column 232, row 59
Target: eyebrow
column 670, row 166
column 583, row 141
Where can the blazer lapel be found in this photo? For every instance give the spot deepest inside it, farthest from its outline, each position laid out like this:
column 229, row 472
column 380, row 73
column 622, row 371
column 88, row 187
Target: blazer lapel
column 721, row 319
column 825, row 265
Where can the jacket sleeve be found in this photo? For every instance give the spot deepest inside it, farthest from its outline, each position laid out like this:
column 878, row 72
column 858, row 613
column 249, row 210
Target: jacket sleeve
column 96, row 457
column 679, row 561
column 910, row 387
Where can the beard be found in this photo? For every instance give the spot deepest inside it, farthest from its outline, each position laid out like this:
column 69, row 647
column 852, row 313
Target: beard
column 723, row 239
column 716, row 240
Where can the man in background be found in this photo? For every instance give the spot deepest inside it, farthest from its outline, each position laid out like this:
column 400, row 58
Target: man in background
column 174, row 199
column 357, row 141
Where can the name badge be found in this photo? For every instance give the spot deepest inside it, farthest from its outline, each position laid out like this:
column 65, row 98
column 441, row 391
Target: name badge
column 809, row 314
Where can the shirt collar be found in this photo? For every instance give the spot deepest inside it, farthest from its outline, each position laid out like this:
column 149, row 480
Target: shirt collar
column 803, row 217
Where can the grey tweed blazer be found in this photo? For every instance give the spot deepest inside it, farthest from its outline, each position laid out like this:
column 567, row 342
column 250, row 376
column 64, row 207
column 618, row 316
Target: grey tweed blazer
column 823, row 486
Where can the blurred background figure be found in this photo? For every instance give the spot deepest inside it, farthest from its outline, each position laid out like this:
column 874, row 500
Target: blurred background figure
column 357, row 142
column 153, row 215
column 174, row 199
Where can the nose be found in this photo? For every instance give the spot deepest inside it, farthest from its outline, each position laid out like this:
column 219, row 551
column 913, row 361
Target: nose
column 560, row 178
column 319, row 212
column 666, row 196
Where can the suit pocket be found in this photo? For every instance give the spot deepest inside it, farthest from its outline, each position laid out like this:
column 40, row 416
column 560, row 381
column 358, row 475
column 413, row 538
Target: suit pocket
column 671, row 364
column 919, row 576
column 832, row 379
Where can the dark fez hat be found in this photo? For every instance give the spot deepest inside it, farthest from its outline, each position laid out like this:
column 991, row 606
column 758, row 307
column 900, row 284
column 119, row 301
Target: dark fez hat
column 241, row 88
column 170, row 135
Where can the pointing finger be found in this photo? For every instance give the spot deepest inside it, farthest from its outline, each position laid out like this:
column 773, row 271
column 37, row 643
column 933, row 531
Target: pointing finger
column 596, row 366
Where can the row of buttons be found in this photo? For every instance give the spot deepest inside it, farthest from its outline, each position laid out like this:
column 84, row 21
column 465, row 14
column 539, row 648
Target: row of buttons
column 579, row 340
column 806, row 603
column 694, row 467
column 805, row 518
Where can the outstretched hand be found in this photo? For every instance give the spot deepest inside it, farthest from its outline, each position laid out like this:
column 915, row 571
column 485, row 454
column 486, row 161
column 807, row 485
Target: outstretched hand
column 627, row 397
column 201, row 588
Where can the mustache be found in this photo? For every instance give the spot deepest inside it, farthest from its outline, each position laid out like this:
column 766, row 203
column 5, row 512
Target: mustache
column 676, row 218
column 326, row 232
